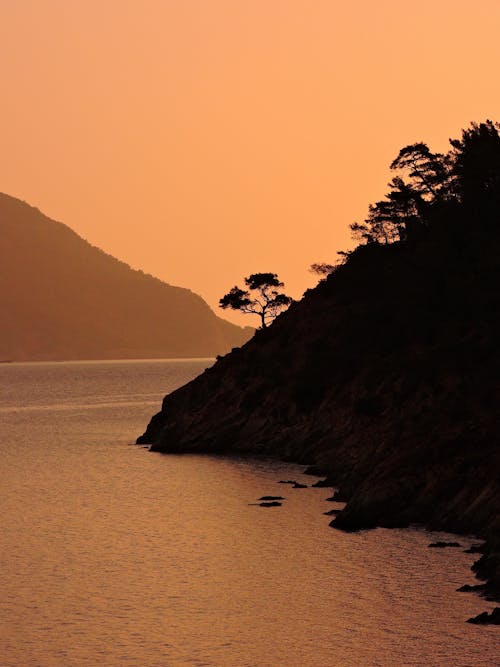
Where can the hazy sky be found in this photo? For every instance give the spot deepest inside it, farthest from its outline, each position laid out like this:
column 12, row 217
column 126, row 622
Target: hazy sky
column 202, row 140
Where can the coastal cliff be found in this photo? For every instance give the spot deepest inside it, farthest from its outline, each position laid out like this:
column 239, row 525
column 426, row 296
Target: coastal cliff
column 385, row 377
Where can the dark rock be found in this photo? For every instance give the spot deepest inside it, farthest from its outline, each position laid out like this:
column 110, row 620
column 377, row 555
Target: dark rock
column 272, row 498
column 486, row 619
column 298, row 485
column 475, row 549
column 332, row 512
column 480, row 619
column 467, row 588
column 488, row 566
column 322, row 483
column 495, row 616
column 442, row 545
column 315, row 471
column 369, row 406
column 271, row 504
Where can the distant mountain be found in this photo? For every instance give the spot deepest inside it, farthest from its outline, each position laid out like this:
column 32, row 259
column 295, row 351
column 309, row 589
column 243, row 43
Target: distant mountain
column 62, row 298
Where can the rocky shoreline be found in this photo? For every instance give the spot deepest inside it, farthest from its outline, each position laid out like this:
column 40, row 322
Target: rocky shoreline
column 385, row 377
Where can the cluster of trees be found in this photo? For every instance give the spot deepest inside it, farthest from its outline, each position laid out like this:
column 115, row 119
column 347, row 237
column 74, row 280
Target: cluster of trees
column 426, row 189
column 426, row 184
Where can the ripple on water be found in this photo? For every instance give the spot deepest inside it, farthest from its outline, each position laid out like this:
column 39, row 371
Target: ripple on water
column 113, row 556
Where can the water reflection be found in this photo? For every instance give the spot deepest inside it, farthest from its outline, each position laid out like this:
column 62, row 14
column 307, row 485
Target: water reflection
column 115, row 556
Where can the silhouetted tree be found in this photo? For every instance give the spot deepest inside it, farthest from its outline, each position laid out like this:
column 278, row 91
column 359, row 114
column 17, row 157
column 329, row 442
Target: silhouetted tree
column 429, row 182
column 428, row 172
column 476, row 163
column 425, row 178
column 267, row 301
column 322, row 269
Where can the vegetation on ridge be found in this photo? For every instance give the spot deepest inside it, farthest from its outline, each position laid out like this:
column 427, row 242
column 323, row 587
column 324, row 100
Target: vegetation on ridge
column 386, row 374
column 267, row 302
column 466, row 180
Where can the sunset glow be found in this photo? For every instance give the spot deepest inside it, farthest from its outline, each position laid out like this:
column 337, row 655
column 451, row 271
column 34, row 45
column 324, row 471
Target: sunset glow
column 203, row 140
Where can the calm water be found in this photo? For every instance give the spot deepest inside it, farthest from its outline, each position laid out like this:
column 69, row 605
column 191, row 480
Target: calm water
column 114, row 556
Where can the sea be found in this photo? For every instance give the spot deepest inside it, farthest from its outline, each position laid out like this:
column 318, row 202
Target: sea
column 111, row 555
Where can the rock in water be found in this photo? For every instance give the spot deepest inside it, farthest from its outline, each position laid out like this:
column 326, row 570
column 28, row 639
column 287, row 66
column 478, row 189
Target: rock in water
column 467, row 588
column 322, row 483
column 486, row 619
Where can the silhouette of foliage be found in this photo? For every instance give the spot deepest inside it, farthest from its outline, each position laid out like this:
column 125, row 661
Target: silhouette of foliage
column 476, row 165
column 427, row 183
column 267, row 301
column 428, row 172
column 322, row 269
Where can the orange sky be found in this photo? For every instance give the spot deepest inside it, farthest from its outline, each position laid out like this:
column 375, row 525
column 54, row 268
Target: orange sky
column 202, row 140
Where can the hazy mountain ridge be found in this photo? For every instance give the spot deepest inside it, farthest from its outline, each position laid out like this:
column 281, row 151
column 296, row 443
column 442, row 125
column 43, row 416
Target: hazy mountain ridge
column 63, row 298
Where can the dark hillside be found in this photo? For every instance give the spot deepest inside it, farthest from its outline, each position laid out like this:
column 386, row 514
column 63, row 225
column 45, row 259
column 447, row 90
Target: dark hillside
column 385, row 376
column 62, row 298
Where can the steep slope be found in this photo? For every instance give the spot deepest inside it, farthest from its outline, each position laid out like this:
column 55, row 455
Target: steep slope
column 62, row 298
column 385, row 376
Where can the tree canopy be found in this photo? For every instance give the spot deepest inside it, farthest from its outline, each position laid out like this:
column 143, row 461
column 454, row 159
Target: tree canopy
column 426, row 183
column 263, row 297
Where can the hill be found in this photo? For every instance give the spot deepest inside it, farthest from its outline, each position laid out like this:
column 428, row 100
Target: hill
column 385, row 376
column 62, row 298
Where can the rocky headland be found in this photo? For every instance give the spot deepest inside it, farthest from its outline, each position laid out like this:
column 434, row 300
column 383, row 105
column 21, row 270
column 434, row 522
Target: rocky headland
column 385, row 377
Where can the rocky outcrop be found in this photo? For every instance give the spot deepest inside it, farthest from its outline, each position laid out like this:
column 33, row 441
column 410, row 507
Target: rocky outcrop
column 487, row 619
column 384, row 377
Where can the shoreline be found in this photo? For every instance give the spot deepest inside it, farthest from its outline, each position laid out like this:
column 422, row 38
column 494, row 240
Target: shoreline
column 480, row 568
